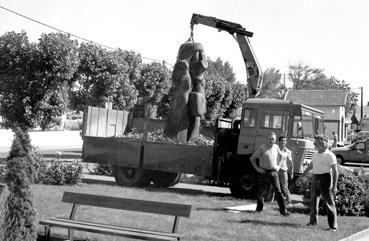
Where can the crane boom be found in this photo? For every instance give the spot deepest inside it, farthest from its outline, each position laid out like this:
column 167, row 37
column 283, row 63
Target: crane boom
column 253, row 70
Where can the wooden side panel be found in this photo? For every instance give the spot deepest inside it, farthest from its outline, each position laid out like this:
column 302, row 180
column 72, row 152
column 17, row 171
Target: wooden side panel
column 177, row 158
column 174, row 209
column 101, row 122
column 104, row 122
column 111, row 150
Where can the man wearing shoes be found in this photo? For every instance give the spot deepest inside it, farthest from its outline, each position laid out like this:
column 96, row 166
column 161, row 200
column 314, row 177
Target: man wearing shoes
column 268, row 154
column 325, row 177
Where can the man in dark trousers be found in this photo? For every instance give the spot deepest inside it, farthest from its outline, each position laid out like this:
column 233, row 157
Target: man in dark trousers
column 325, row 178
column 268, row 154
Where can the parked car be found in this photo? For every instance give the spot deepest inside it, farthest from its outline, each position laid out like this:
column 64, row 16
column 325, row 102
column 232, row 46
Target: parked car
column 356, row 152
column 361, row 135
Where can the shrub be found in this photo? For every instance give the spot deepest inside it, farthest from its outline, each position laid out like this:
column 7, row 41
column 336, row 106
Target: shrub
column 19, row 214
column 58, row 173
column 351, row 197
column 102, row 170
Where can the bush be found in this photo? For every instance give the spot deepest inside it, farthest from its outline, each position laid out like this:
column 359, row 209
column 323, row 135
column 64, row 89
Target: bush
column 19, row 212
column 100, row 169
column 351, row 198
column 58, row 173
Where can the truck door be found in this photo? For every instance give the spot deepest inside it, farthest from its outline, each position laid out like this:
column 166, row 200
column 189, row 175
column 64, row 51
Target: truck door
column 357, row 153
column 246, row 140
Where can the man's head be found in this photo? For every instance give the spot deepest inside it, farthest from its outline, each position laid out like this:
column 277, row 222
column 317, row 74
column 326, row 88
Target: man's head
column 321, row 142
column 272, row 137
column 282, row 140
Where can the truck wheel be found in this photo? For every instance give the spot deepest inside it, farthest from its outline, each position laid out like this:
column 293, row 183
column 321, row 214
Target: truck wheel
column 127, row 176
column 164, row 179
column 245, row 187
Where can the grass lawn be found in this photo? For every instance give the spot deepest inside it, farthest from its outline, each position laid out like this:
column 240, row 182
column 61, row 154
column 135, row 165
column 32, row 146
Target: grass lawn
column 208, row 220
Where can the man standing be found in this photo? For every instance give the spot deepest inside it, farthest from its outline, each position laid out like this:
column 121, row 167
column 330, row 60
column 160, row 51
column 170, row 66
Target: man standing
column 268, row 169
column 285, row 164
column 334, row 144
column 323, row 166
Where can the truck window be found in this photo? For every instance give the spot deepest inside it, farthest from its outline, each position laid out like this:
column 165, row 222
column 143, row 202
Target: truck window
column 307, row 124
column 271, row 119
column 297, row 127
column 360, row 146
column 249, row 118
column 319, row 125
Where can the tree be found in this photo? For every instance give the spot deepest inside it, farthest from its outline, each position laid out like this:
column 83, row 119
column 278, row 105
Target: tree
column 33, row 76
column 239, row 97
column 105, row 76
column 58, row 62
column 153, row 86
column 308, row 78
column 223, row 70
column 272, row 86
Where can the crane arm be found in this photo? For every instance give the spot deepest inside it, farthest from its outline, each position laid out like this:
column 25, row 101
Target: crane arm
column 253, row 70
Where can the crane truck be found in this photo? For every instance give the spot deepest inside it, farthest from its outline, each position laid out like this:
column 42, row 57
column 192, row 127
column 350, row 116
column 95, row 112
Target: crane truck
column 140, row 162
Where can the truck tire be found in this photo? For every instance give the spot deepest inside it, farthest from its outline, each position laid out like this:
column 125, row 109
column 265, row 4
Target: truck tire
column 164, row 179
column 244, row 187
column 127, row 176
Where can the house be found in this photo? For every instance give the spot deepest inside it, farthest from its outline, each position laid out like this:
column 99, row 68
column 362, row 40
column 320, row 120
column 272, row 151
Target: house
column 332, row 103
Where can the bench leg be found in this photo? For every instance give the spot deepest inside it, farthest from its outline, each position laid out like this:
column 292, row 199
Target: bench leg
column 70, row 234
column 47, row 233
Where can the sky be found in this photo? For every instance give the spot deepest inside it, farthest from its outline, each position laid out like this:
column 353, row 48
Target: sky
column 331, row 35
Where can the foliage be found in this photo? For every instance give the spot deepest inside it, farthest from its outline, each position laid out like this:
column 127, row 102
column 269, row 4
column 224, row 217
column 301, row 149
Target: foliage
column 102, row 170
column 272, row 86
column 223, row 70
column 58, row 173
column 19, row 214
column 239, row 97
column 105, row 76
column 34, row 78
column 153, row 86
column 159, row 136
column 305, row 77
column 214, row 93
column 351, row 197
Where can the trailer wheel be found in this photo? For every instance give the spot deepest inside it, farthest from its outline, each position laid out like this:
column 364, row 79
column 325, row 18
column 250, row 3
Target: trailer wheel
column 244, row 187
column 164, row 179
column 127, row 176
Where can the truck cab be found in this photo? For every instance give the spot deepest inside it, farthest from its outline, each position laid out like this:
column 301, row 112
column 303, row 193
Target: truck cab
column 298, row 122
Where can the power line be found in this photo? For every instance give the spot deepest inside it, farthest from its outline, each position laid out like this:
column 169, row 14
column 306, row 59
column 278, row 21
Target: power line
column 70, row 34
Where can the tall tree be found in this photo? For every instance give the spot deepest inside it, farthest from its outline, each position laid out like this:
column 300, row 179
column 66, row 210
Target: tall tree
column 222, row 69
column 308, row 78
column 105, row 76
column 34, row 75
column 153, row 85
column 272, row 86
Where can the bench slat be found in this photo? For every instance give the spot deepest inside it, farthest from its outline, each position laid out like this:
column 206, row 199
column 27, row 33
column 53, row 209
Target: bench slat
column 105, row 230
column 172, row 209
column 115, row 227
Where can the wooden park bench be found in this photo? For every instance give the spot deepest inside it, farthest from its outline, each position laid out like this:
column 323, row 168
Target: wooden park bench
column 77, row 199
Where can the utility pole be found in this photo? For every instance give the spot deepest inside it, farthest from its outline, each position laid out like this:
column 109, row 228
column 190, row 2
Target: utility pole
column 361, row 112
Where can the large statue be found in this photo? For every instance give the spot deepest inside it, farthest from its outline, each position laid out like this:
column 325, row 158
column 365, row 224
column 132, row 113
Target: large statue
column 188, row 92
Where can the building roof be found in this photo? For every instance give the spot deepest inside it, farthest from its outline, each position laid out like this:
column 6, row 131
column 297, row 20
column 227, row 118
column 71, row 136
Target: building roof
column 318, row 97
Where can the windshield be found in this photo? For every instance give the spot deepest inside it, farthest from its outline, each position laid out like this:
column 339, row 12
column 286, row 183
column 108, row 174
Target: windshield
column 307, row 125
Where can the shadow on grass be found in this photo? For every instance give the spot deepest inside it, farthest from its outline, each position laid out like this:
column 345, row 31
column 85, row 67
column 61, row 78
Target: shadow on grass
column 269, row 223
column 186, row 191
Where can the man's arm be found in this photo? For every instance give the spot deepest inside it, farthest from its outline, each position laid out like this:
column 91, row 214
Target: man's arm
column 335, row 178
column 289, row 159
column 253, row 157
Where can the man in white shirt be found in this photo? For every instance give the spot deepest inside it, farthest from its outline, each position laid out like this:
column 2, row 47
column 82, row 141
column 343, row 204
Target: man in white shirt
column 268, row 169
column 325, row 178
column 285, row 161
